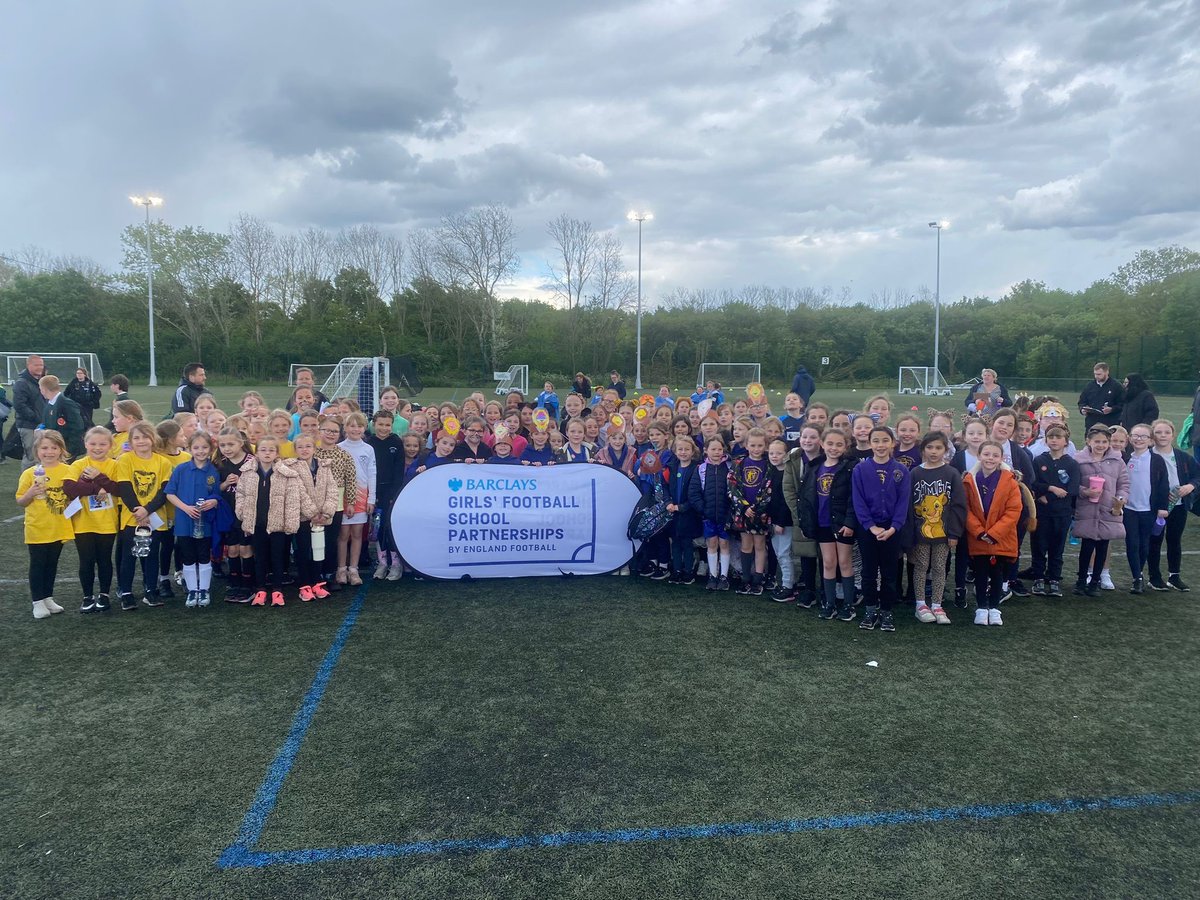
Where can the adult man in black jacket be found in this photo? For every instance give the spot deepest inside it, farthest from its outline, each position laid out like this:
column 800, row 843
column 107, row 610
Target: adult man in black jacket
column 29, row 405
column 1100, row 402
column 191, row 386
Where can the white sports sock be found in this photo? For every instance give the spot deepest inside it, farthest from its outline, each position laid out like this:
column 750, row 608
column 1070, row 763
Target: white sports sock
column 713, row 562
column 189, row 578
column 724, row 565
column 205, row 577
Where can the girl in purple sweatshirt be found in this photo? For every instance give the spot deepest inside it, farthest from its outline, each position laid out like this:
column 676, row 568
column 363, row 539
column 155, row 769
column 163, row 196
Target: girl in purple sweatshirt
column 882, row 489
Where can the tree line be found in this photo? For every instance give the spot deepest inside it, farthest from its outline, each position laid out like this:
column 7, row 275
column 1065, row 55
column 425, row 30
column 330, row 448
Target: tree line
column 250, row 301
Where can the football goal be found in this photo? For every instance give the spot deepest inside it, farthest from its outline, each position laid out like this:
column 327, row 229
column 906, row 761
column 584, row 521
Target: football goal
column 515, row 379
column 61, row 364
column 321, row 372
column 733, row 376
column 928, row 381
column 360, row 377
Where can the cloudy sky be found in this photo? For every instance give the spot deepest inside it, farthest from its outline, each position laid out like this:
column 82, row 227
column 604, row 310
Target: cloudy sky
column 802, row 144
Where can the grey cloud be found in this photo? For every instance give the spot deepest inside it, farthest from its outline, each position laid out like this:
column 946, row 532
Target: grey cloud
column 1039, row 107
column 936, row 86
column 785, row 36
column 305, row 113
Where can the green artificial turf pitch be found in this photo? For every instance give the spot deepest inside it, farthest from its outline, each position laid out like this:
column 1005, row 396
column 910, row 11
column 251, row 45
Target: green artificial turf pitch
column 132, row 745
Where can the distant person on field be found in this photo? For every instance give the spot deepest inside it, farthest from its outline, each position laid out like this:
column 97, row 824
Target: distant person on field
column 62, row 414
column 804, row 384
column 616, row 383
column 582, row 386
column 118, row 385
column 304, row 378
column 548, row 400
column 1140, row 406
column 191, row 386
column 29, row 405
column 710, row 391
column 664, row 397
column 86, row 393
column 1101, row 401
column 988, row 396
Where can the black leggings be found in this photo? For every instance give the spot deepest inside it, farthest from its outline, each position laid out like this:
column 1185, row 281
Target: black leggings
column 95, row 558
column 880, row 559
column 127, row 563
column 1173, row 535
column 1088, row 546
column 166, row 547
column 43, row 569
column 307, row 571
column 270, row 558
column 990, row 574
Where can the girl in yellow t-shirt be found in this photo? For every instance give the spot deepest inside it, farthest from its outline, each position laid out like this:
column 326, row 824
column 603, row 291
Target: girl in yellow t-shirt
column 141, row 476
column 40, row 493
column 91, row 482
column 125, row 413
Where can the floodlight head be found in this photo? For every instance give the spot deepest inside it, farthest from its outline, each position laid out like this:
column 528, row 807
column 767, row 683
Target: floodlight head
column 939, row 225
column 150, row 200
column 635, row 216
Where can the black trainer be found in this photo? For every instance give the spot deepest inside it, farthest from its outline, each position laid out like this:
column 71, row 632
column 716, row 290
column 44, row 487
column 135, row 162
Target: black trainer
column 711, row 584
column 686, row 578
column 783, row 595
column 723, row 584
column 827, row 612
column 869, row 619
column 1054, row 589
column 1176, row 582
column 88, row 605
column 960, row 597
column 1017, row 588
column 128, row 604
column 806, row 598
column 1093, row 588
column 887, row 622
column 152, row 599
column 102, row 603
column 1081, row 588
column 1039, row 588
column 1138, row 587
column 164, row 588
column 846, row 613
column 661, row 574
column 1158, row 584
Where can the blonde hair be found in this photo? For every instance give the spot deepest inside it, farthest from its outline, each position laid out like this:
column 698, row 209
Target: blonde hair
column 355, row 418
column 130, row 409
column 54, row 438
column 147, row 429
column 884, row 397
column 98, row 431
column 50, row 383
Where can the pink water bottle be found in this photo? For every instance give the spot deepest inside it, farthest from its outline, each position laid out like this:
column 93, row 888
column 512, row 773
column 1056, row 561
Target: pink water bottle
column 1096, row 483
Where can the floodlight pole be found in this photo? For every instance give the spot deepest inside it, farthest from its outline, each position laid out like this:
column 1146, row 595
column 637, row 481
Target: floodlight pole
column 937, row 302
column 148, row 202
column 639, row 217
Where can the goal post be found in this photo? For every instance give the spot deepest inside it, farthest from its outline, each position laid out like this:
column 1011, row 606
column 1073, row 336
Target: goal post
column 61, row 364
column 924, row 380
column 516, row 378
column 359, row 377
column 731, row 376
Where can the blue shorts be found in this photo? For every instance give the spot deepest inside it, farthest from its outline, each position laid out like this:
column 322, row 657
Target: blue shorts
column 713, row 530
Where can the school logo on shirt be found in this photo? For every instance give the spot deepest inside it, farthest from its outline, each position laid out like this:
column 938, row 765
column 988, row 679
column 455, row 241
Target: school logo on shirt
column 753, row 475
column 143, row 482
column 825, row 484
column 56, row 500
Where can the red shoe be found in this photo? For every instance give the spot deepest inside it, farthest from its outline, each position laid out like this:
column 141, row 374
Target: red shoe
column 259, row 599
column 306, row 594
column 318, row 590
column 276, row 598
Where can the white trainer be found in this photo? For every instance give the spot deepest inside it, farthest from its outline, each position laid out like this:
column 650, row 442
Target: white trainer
column 394, row 573
column 981, row 616
column 940, row 616
column 381, row 571
column 1106, row 582
column 39, row 610
column 51, row 605
column 994, row 617
column 924, row 614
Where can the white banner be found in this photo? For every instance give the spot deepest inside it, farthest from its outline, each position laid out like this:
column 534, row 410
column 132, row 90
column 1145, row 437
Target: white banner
column 491, row 521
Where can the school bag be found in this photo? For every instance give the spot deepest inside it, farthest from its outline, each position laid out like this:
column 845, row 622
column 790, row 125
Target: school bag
column 651, row 515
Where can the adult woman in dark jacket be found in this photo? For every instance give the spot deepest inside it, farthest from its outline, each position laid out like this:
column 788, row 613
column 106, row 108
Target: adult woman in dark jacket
column 582, row 386
column 1183, row 483
column 86, row 395
column 1141, row 407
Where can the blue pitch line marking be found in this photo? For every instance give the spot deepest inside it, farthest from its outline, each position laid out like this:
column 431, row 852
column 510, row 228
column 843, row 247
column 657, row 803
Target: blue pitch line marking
column 268, row 792
column 245, row 857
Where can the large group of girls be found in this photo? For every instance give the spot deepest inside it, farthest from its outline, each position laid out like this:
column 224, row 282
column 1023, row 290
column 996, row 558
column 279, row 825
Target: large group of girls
column 827, row 508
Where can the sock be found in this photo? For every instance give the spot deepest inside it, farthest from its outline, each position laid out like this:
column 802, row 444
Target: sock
column 235, row 568
column 848, row 590
column 724, row 564
column 714, row 564
column 382, row 556
column 396, row 558
column 189, row 579
column 830, row 587
column 204, row 576
column 747, row 566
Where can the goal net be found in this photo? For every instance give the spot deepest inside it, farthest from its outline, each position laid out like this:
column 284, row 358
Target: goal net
column 61, row 364
column 320, row 372
column 735, row 376
column 923, row 380
column 359, row 377
column 515, row 379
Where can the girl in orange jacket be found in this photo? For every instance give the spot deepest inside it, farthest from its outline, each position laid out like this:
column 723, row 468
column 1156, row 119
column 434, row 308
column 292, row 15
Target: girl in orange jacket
column 993, row 509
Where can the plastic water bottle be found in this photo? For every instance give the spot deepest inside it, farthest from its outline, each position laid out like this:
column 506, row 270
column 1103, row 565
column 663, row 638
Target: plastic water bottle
column 318, row 543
